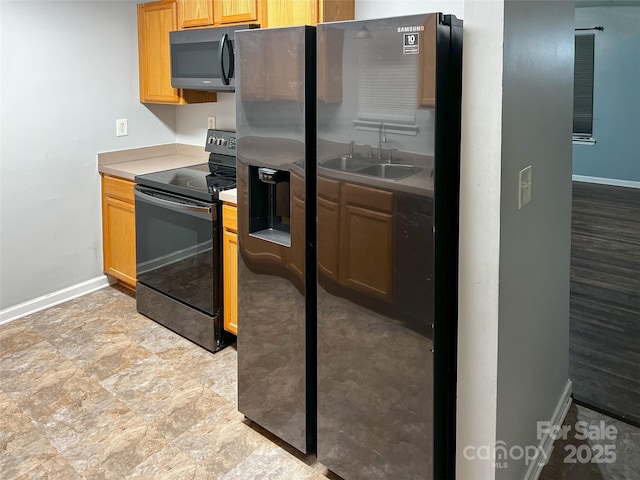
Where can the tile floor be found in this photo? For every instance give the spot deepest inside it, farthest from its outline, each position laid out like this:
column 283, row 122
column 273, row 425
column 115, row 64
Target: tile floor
column 91, row 389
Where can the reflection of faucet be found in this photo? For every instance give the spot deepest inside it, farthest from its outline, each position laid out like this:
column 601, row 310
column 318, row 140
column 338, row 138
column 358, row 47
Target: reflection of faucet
column 382, row 138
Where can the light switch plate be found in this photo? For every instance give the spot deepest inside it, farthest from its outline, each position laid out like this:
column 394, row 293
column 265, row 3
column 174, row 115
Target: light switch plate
column 211, row 122
column 524, row 186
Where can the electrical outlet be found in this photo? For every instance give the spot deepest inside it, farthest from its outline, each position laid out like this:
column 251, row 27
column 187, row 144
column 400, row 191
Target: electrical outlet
column 121, row 127
column 524, row 187
column 211, row 123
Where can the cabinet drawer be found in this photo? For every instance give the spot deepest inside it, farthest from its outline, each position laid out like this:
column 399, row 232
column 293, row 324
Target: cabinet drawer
column 329, row 189
column 230, row 218
column 368, row 197
column 117, row 188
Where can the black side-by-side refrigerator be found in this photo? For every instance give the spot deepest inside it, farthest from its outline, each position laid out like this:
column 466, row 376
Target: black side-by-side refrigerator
column 348, row 254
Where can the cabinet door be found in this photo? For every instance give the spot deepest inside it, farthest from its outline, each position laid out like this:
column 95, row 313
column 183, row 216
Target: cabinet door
column 328, row 227
column 366, row 240
column 297, row 223
column 230, row 267
column 427, row 65
column 195, row 13
column 329, row 64
column 367, row 252
column 119, row 239
column 328, row 237
column 235, row 11
column 336, row 10
column 230, row 272
column 155, row 21
column 286, row 67
column 284, row 13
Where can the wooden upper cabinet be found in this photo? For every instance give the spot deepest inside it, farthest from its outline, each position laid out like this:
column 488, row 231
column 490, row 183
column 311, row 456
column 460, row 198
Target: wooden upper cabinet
column 195, row 13
column 282, row 13
column 285, row 80
column 235, row 11
column 336, row 10
column 427, row 65
column 329, row 65
column 155, row 21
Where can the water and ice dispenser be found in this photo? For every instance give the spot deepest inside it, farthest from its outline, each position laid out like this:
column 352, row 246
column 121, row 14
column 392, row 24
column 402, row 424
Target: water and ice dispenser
column 269, row 205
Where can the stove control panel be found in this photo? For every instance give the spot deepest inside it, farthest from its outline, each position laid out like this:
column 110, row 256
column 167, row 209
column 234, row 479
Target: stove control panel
column 221, row 141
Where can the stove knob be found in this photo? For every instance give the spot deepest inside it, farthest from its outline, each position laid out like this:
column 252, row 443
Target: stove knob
column 211, row 140
column 221, row 141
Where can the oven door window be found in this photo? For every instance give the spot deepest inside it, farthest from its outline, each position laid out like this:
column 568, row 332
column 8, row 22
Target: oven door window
column 177, row 248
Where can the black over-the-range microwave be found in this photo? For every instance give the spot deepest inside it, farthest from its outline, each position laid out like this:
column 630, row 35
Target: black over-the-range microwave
column 203, row 58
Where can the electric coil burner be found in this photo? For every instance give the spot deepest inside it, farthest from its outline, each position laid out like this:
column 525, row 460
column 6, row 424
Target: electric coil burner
column 179, row 244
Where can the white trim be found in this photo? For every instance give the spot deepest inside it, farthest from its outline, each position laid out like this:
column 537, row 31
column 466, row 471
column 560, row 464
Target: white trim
column 51, row 299
column 606, row 181
column 583, row 141
column 546, row 442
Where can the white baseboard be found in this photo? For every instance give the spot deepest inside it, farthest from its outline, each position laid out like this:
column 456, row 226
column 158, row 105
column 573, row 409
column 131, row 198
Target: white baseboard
column 606, row 181
column 546, row 442
column 51, row 299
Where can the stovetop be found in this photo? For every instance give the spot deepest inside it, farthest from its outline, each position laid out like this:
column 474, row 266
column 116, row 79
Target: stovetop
column 203, row 181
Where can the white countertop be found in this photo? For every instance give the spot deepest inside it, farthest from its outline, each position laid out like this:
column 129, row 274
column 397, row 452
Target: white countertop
column 139, row 161
column 229, row 196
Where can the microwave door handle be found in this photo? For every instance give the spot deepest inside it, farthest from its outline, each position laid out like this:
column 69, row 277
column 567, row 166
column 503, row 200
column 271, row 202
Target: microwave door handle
column 231, row 58
column 223, row 41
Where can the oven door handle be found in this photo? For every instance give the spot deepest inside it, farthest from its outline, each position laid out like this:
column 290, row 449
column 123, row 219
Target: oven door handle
column 201, row 211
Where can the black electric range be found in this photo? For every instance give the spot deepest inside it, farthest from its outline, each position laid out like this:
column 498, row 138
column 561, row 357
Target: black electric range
column 203, row 181
column 179, row 244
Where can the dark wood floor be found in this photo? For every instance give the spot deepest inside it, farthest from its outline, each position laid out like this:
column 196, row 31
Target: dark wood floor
column 604, row 338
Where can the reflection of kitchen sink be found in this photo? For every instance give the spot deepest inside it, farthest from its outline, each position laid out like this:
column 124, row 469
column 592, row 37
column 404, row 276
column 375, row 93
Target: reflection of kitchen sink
column 389, row 171
column 344, row 163
column 368, row 166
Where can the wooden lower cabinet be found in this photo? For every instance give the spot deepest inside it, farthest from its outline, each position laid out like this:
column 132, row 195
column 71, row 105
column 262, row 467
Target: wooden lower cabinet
column 356, row 244
column 367, row 220
column 329, row 234
column 119, row 230
column 230, row 267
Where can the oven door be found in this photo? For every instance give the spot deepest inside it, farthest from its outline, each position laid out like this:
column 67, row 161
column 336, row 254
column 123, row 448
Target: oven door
column 177, row 251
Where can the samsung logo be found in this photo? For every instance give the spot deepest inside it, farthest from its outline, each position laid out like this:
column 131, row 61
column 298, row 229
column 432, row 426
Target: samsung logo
column 417, row 28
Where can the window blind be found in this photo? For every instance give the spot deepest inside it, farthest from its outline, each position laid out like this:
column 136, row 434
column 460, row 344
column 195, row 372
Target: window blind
column 388, row 87
column 583, row 86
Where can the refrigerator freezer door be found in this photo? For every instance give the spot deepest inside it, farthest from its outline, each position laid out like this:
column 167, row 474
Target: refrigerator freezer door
column 276, row 301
